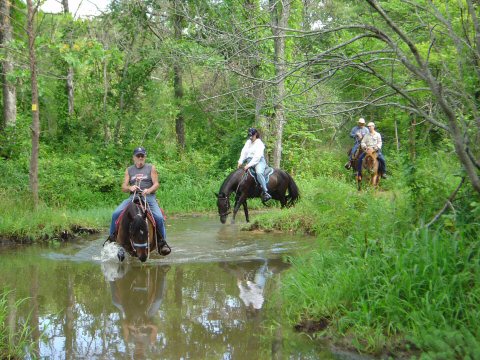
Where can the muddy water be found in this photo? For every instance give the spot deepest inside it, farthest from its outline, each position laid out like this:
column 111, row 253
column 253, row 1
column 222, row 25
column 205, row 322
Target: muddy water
column 210, row 299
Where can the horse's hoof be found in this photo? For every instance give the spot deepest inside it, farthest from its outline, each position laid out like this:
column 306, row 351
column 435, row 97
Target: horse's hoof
column 121, row 254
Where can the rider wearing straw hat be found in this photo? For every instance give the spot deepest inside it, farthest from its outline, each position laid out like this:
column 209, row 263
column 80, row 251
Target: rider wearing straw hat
column 357, row 133
column 142, row 178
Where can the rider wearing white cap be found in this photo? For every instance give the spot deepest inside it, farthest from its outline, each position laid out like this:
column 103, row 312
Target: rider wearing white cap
column 357, row 133
column 373, row 140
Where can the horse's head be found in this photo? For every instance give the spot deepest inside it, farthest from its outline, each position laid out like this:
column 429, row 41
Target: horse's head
column 223, row 204
column 370, row 162
column 138, row 233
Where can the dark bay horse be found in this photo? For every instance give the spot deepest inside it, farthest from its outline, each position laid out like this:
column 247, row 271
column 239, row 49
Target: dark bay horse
column 135, row 233
column 244, row 186
column 370, row 165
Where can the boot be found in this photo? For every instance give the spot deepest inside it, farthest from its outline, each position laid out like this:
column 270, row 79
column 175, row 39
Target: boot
column 266, row 196
column 348, row 165
column 110, row 238
column 163, row 248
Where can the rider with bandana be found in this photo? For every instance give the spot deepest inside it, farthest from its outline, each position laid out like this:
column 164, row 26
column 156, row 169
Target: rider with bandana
column 253, row 154
column 142, row 178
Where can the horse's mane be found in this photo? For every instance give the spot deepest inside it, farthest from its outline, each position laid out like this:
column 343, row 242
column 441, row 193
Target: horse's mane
column 229, row 182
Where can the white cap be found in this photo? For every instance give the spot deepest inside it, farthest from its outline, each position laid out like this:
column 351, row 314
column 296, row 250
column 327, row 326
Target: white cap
column 371, row 124
column 361, row 121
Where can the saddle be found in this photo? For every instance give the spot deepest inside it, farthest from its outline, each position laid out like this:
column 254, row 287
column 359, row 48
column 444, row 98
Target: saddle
column 267, row 173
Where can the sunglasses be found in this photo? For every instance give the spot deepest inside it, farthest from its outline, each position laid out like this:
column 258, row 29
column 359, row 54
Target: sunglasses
column 140, row 156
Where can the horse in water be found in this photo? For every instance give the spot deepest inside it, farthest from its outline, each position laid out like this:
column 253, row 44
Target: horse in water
column 370, row 165
column 135, row 232
column 244, row 185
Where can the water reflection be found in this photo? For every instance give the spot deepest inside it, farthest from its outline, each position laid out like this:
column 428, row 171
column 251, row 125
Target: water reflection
column 251, row 279
column 211, row 304
column 138, row 294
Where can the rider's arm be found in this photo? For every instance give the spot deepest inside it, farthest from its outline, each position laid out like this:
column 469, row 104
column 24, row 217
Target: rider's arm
column 353, row 133
column 363, row 144
column 378, row 146
column 243, row 154
column 155, row 186
column 258, row 153
column 126, row 187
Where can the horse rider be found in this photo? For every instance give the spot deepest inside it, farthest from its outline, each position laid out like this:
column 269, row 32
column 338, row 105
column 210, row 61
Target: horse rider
column 373, row 141
column 142, row 178
column 357, row 133
column 253, row 154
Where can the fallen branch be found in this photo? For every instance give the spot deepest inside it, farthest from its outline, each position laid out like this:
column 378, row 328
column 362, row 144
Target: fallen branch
column 448, row 204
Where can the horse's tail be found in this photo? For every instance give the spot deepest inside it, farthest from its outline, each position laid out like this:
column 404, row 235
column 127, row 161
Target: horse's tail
column 293, row 192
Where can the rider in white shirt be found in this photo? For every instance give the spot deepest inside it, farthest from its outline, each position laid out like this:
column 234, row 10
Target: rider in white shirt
column 253, row 154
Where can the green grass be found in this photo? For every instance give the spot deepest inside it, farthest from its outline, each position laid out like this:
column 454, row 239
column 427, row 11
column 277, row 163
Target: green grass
column 381, row 285
column 14, row 343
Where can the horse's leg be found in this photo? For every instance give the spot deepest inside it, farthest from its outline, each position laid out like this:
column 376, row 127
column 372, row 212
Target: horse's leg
column 245, row 210
column 236, row 207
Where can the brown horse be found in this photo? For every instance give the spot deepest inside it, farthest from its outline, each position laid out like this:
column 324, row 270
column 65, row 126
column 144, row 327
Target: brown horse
column 136, row 233
column 370, row 165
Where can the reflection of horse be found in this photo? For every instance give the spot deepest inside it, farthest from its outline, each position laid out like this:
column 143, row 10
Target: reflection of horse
column 135, row 232
column 370, row 165
column 243, row 184
column 251, row 279
column 138, row 296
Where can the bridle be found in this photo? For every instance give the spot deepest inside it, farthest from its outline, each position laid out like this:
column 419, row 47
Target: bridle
column 227, row 205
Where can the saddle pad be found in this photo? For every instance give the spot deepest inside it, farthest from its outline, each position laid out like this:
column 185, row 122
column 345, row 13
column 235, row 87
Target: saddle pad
column 268, row 171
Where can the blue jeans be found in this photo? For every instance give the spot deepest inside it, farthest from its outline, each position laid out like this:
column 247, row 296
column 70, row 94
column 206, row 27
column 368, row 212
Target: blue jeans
column 260, row 169
column 382, row 166
column 154, row 208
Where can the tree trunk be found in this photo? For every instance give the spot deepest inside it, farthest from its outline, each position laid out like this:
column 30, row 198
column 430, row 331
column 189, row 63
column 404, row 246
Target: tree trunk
column 35, row 110
column 280, row 11
column 70, row 92
column 177, row 80
column 9, row 91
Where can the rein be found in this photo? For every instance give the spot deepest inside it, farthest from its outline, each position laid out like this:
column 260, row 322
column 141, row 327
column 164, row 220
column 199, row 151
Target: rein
column 143, row 207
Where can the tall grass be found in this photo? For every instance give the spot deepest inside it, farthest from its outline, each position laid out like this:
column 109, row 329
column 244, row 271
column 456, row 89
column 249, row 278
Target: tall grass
column 381, row 284
column 14, row 344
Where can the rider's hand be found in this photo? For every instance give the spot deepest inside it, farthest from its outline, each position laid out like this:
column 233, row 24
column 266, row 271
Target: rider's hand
column 145, row 192
column 246, row 168
column 133, row 188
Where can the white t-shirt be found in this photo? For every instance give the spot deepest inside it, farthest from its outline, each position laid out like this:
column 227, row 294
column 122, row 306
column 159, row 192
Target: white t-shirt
column 252, row 150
